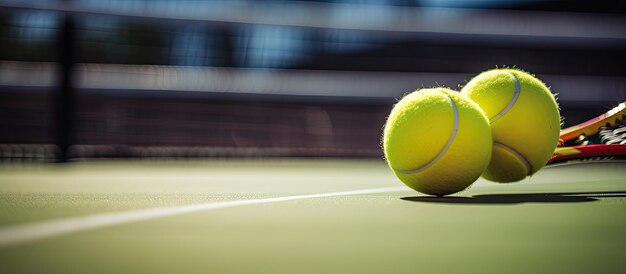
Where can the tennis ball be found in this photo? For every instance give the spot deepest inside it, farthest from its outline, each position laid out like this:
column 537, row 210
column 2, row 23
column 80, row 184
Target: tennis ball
column 525, row 121
column 437, row 141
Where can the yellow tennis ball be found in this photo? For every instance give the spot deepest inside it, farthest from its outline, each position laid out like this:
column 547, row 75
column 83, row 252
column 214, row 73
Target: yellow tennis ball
column 525, row 121
column 437, row 141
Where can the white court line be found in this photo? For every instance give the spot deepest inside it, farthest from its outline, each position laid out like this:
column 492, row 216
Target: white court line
column 17, row 234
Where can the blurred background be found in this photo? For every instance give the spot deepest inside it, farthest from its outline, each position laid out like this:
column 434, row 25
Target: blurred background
column 268, row 78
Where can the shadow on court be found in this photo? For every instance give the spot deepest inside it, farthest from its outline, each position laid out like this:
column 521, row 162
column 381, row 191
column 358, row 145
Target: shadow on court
column 573, row 197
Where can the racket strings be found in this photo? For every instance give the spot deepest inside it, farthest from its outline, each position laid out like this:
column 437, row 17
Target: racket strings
column 609, row 135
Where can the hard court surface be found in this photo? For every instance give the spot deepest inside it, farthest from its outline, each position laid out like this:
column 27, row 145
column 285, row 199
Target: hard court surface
column 304, row 216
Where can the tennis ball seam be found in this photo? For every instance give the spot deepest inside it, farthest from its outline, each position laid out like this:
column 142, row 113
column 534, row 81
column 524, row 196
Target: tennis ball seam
column 517, row 155
column 443, row 151
column 511, row 103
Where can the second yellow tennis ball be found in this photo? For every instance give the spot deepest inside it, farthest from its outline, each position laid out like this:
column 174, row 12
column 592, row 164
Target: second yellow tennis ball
column 525, row 121
column 437, row 141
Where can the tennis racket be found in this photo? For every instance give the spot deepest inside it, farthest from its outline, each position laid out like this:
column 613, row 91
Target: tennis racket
column 599, row 139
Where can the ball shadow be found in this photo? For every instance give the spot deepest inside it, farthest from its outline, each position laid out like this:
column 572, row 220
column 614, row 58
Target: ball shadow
column 571, row 197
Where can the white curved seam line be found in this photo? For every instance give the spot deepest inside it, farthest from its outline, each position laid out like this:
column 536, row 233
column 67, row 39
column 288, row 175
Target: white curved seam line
column 518, row 155
column 512, row 102
column 22, row 233
column 446, row 147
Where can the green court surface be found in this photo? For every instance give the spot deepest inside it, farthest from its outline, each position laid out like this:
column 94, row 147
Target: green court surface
column 565, row 219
